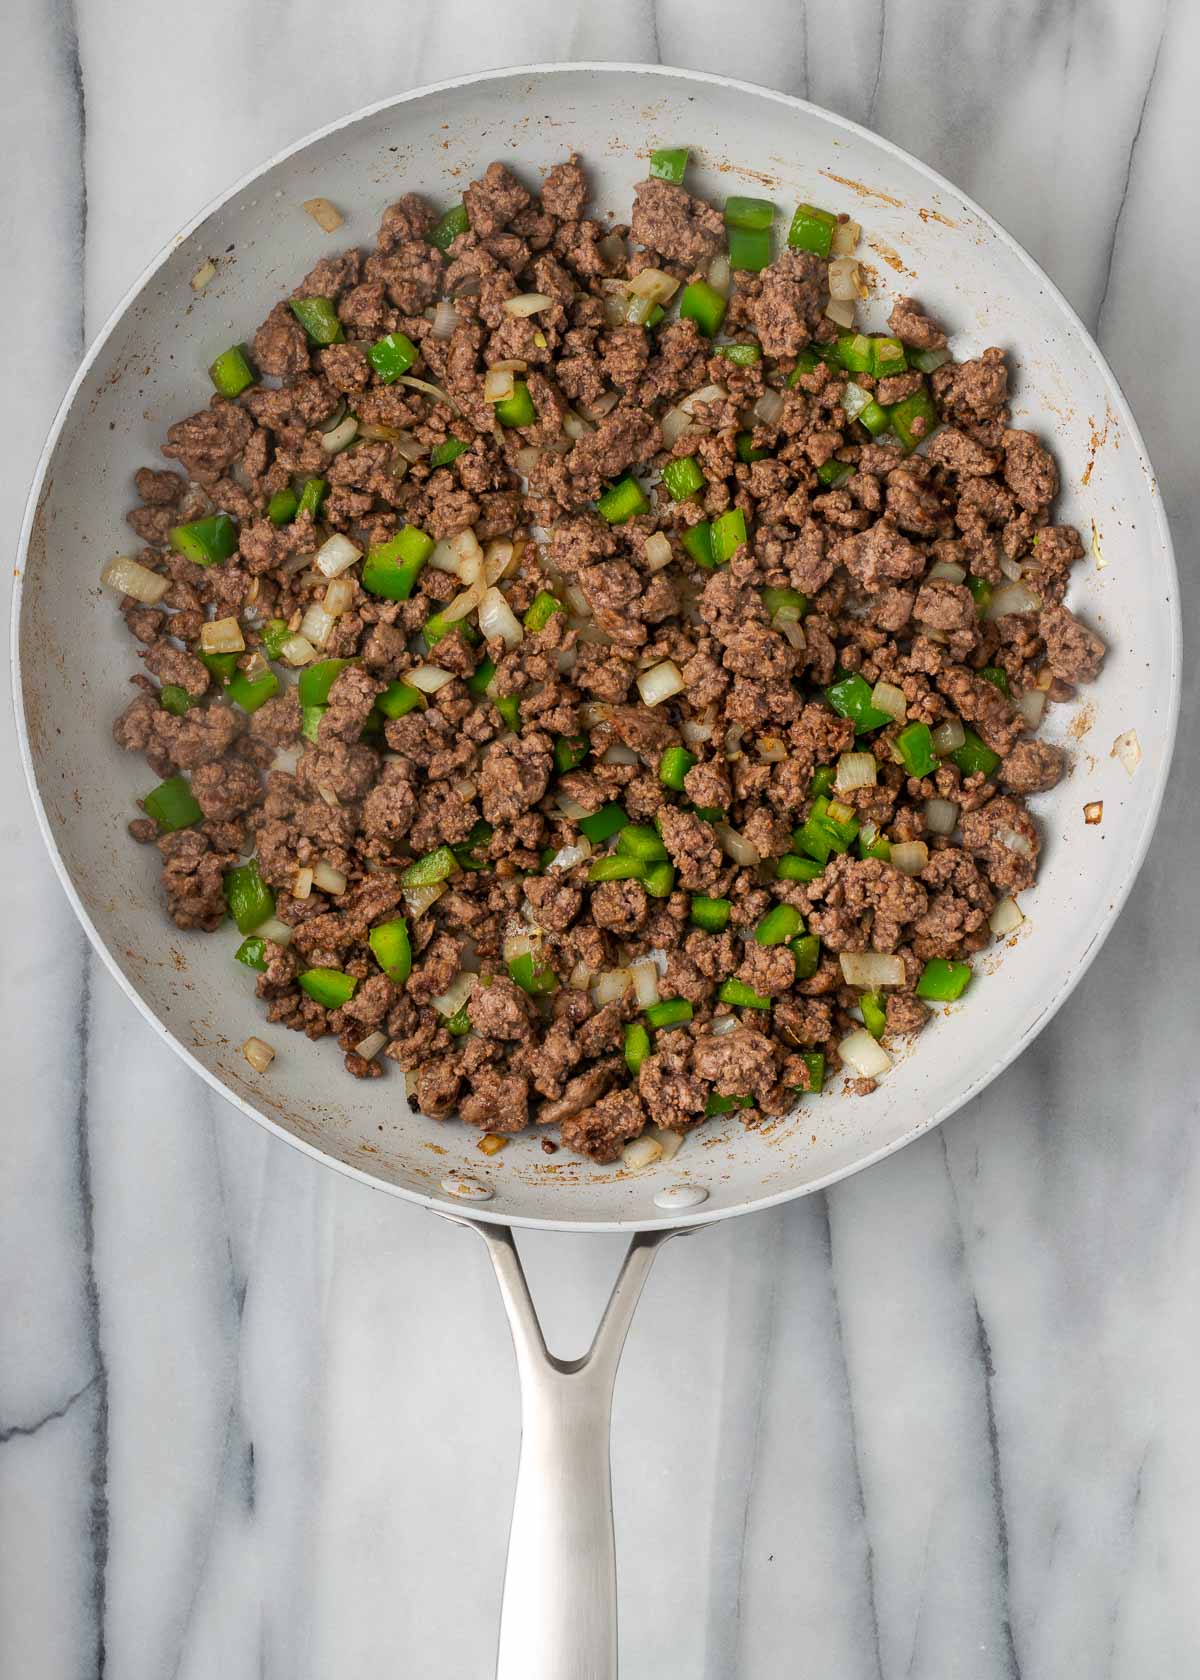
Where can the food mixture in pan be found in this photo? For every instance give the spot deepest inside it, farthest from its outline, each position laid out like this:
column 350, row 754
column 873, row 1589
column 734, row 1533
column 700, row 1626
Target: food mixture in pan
column 593, row 676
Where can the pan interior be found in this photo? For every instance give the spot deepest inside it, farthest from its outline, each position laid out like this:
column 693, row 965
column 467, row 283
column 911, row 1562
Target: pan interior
column 75, row 659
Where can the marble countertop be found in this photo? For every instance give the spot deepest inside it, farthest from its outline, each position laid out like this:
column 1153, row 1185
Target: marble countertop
column 259, row 1420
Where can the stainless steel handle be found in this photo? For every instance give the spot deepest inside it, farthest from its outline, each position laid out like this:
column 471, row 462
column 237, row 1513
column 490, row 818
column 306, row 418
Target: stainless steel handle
column 559, row 1616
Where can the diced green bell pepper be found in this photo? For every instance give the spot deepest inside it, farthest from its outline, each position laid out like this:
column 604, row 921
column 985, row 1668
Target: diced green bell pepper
column 833, row 473
column 981, row 593
column 850, row 697
column 807, row 954
column 674, row 765
column 391, row 569
column 749, row 248
column 814, row 1061
column 854, row 352
column 328, row 986
column 669, row 1012
column 617, row 866
column 534, row 978
column 784, row 604
column 717, row 1104
column 249, row 898
column 913, row 419
column 639, row 840
column 603, row 824
column 781, row 923
column 172, row 805
column 747, row 450
column 621, row 501
column 570, row 752
column 728, row 534
column 659, row 879
column 317, row 680
column 231, row 373
column 942, row 981
column 887, row 357
column 310, row 722
column 668, row 163
column 540, row 611
column 318, row 317
column 697, row 541
column 812, row 230
column 480, row 677
column 517, row 410
column 994, row 675
column 174, row 698
column 206, row 542
column 391, row 356
column 454, row 222
column 705, row 305
column 283, row 507
column 874, row 1013
column 975, row 755
column 400, row 698
column 252, row 692
column 448, row 451
column 252, row 952
column 466, row 850
column 509, row 708
column 823, row 778
column 792, row 868
column 435, row 866
column 683, row 478
column 222, row 665
column 392, row 949
column 741, row 355
column 749, row 212
column 741, row 996
column 637, row 1046
column 312, row 494
column 915, row 746
column 711, row 914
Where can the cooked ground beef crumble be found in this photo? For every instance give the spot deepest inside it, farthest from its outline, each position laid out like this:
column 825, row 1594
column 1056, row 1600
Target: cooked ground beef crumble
column 702, row 731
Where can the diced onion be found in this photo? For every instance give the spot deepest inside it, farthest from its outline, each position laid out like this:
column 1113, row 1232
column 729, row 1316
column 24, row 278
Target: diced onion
column 222, row 635
column 341, row 436
column 655, row 284
column 203, row 275
column 463, row 603
column 465, row 788
column 259, row 1055
column 303, row 885
column 326, row 215
column 615, row 305
column 706, row 394
column 593, row 712
column 1031, row 706
column 736, row 846
column 644, row 975
column 856, row 770
column 445, row 319
column 129, row 577
column 410, row 447
column 428, row 678
column 861, row 1052
column 725, row 1024
column 949, row 569
column 255, row 667
column 611, row 249
column 446, row 558
column 696, row 733
column 1128, row 749
column 909, row 856
column 279, row 933
column 420, row 899
column 792, row 632
column 317, row 625
column 526, row 458
column 527, row 303
column 456, row 994
column 641, row 1152
column 871, row 969
column 675, row 424
column 771, row 750
column 1012, row 598
column 339, row 597
column 575, row 425
column 1014, row 841
column 660, row 682
column 570, row 808
column 941, row 816
column 769, row 407
column 328, row 879
column 577, row 601
column 336, row 555
column 327, row 794
column 846, row 236
column 1010, row 568
column 886, row 697
column 497, row 384
column 620, row 754
column 368, row 1048
column 949, row 736
column 500, row 559
column 657, row 551
column 718, row 274
column 613, row 983
column 496, row 618
column 840, row 312
column 581, row 977
column 1005, row 918
column 845, row 280
column 297, row 650
column 429, row 390
column 568, row 856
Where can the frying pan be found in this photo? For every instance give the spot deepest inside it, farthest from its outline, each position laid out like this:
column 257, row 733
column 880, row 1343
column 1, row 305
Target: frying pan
column 72, row 662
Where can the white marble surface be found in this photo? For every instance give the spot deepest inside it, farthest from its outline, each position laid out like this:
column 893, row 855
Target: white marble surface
column 256, row 1420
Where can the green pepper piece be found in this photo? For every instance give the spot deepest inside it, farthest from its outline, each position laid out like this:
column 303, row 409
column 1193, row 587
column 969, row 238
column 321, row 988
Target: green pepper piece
column 453, row 223
column 781, row 923
column 317, row 680
column 807, row 361
column 833, row 473
column 603, row 824
column 981, row 593
column 705, row 305
column 480, row 677
column 712, row 914
column 807, row 953
column 749, row 212
column 974, row 755
column 674, row 765
column 249, row 898
column 997, row 677
column 174, row 698
column 458, row 1024
column 623, row 500
column 710, row 813
column 253, row 953
column 509, row 708
column 392, row 949
column 741, row 355
column 480, row 835
column 728, row 535
column 517, row 410
column 669, row 1012
column 717, row 1104
column 850, row 698
column 785, row 604
column 823, row 779
column 880, row 847
column 820, row 834
column 206, row 542
column 854, row 352
column 392, row 568
column 874, row 418
column 252, row 692
column 310, row 722
column 391, row 356
column 669, row 163
column 942, row 981
column 319, row 319
column 570, row 752
column 683, row 478
column 534, row 978
column 926, row 361
column 222, row 665
column 637, row 1046
column 659, row 880
column 812, row 230
column 400, row 698
column 749, row 248
column 915, row 746
column 541, row 610
column 747, row 451
column 874, row 1013
column 312, row 494
column 639, row 840
column 435, row 866
column 887, row 357
column 328, row 986
column 172, row 805
column 792, row 868
column 448, row 451
column 913, row 419
column 741, row 996
column 814, row 1061
column 283, row 507
column 697, row 541
column 231, row 373
column 617, row 866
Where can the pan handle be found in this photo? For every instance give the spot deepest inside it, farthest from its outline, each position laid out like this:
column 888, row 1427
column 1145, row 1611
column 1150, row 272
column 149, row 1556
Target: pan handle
column 559, row 1616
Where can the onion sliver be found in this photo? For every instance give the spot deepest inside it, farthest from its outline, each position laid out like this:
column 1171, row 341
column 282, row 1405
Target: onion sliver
column 1128, row 749
column 328, row 879
column 860, row 1051
column 279, row 933
column 856, row 770
column 497, row 384
column 941, row 816
column 259, row 1055
column 1005, row 918
column 368, row 1048
column 1012, row 598
column 948, row 569
column 341, row 436
column 871, row 969
column 641, row 1152
column 706, row 394
column 736, row 846
column 695, row 733
column 419, row 899
column 660, row 682
column 654, row 284
column 613, row 983
column 657, row 551
column 130, row 577
column 949, row 736
column 222, row 635
column 326, row 215
column 841, row 312
column 909, row 856
column 846, row 236
column 769, row 408
column 644, row 975
column 317, row 625
column 336, row 555
column 526, row 303
column 890, row 699
column 675, row 424
column 339, row 596
column 1031, row 706
column 845, row 280
column 428, row 678
column 445, row 319
column 297, row 650
column 496, row 618
column 456, row 994
column 719, row 274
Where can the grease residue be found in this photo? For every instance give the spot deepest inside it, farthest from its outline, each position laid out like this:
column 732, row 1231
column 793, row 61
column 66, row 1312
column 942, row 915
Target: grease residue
column 862, row 190
column 1083, row 720
column 1097, row 551
column 935, row 216
column 1096, row 442
column 892, row 258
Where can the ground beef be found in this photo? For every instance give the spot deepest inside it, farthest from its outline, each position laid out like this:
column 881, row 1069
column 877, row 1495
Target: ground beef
column 498, row 770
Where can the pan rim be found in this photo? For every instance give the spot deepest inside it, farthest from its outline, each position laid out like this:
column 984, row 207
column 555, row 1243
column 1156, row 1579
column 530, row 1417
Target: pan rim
column 1151, row 806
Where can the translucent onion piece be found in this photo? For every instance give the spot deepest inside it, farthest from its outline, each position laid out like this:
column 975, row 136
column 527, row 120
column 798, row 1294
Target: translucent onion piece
column 1031, row 706
column 696, row 733
column 429, row 390
column 456, row 994
column 343, row 434
column 368, row 1048
column 203, row 275
column 644, row 975
column 611, row 249
column 463, row 603
column 620, row 754
column 575, row 425
column 771, row 750
column 568, row 856
column 614, row 308
column 326, row 215
column 303, row 884
column 675, row 424
column 843, row 314
column 500, row 559
column 846, row 236
column 336, row 555
column 577, row 601
column 1006, row 918
column 792, row 632
column 410, row 447
column 769, row 407
column 736, row 846
column 1014, row 841
column 718, row 274
column 581, row 975
column 497, row 384
column 870, row 969
column 129, row 577
column 256, row 667
column 428, row 678
column 317, row 625
column 570, row 808
column 1010, row 568
column 222, row 635
column 657, row 552
column 419, row 899
column 886, row 697
column 496, row 619
column 949, row 736
column 1128, row 749
column 259, row 1055
column 941, row 816
column 593, row 712
column 706, row 394
column 856, row 770
column 654, row 284
column 279, row 933
column 604, row 405
column 909, row 856
column 947, row 569
column 339, row 596
column 610, row 985
column 660, row 682
column 641, row 1152
column 445, row 319
column 845, row 280
column 861, row 1052
column 328, row 879
column 724, row 1024
column 526, row 303
column 297, row 650
column 1012, row 598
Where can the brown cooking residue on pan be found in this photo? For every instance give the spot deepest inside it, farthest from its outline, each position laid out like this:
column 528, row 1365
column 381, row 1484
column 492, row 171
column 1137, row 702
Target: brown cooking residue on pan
column 892, row 258
column 862, row 190
column 1096, row 442
column 1101, row 562
column 935, row 216
column 1083, row 720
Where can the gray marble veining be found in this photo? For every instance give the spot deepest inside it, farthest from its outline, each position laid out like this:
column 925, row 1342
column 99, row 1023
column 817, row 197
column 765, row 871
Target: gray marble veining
column 257, row 1420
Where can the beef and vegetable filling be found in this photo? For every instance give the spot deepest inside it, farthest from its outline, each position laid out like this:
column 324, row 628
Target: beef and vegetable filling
column 590, row 673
